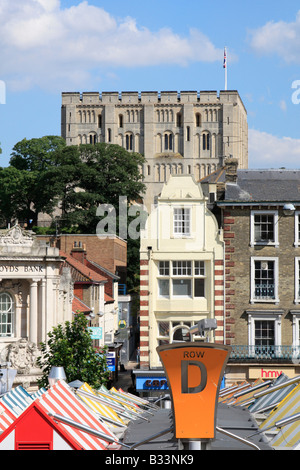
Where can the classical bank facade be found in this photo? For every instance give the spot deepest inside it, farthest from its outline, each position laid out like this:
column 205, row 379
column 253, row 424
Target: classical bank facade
column 35, row 294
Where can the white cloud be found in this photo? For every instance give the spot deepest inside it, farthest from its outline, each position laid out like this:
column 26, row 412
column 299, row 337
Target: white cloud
column 269, row 151
column 281, row 38
column 43, row 44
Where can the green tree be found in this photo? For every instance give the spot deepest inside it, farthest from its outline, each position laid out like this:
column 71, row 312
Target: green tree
column 90, row 175
column 70, row 346
column 37, row 154
column 23, row 183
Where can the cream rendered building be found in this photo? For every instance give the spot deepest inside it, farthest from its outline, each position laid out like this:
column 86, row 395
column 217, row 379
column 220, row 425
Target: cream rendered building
column 178, row 133
column 36, row 293
column 181, row 268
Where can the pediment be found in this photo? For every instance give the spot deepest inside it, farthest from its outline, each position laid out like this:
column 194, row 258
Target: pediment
column 16, row 235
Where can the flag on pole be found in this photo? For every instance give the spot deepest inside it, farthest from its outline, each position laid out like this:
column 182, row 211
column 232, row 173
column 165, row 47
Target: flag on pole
column 225, row 59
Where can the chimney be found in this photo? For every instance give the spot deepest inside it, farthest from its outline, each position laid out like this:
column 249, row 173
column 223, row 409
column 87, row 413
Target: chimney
column 231, row 166
column 79, row 251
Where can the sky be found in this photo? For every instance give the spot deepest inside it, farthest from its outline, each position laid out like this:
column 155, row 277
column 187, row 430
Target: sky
column 52, row 46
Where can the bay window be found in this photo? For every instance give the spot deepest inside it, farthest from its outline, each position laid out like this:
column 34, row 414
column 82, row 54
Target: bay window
column 181, row 279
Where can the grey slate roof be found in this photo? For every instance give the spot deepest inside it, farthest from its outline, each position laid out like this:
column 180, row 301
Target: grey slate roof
column 264, row 186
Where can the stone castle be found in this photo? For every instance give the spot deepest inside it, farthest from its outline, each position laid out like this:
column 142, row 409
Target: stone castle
column 178, row 133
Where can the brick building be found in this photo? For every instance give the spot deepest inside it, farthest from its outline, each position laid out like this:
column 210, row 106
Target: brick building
column 260, row 217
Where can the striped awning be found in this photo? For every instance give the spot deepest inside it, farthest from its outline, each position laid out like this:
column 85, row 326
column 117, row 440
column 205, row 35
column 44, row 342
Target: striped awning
column 288, row 436
column 17, row 400
column 104, row 410
column 61, row 400
column 7, row 417
column 272, row 399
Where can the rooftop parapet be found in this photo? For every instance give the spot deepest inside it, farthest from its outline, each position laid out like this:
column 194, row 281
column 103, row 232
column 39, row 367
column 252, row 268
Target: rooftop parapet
column 151, row 97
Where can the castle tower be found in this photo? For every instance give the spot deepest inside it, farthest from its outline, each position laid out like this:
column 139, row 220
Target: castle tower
column 178, row 133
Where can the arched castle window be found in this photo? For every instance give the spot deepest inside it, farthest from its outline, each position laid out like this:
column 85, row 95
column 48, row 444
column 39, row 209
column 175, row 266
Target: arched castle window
column 168, row 141
column 93, row 139
column 7, row 310
column 205, row 141
column 198, row 120
column 178, row 120
column 129, row 141
column 120, row 120
column 99, row 121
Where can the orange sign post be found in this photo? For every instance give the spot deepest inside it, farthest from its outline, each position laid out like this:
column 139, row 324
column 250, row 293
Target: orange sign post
column 194, row 372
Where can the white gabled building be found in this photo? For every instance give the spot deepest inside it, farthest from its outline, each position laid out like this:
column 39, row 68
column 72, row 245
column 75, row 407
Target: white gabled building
column 181, row 268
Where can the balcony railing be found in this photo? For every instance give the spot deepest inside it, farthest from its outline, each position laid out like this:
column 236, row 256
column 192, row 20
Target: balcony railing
column 283, row 353
column 264, row 291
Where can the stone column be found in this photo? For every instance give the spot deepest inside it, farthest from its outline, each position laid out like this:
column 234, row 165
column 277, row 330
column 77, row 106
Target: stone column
column 43, row 331
column 33, row 317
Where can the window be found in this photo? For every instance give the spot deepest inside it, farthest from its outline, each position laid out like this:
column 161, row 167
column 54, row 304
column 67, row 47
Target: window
column 129, row 141
column 199, row 278
column 264, row 279
column 181, row 279
column 6, row 315
column 264, row 228
column 297, row 228
column 168, row 141
column 173, row 331
column 182, row 221
column 296, row 332
column 205, row 141
column 178, row 119
column 181, row 283
column 264, row 333
column 163, row 281
column 297, row 280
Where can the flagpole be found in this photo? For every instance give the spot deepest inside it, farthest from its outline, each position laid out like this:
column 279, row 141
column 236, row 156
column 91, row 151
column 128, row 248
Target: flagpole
column 225, row 66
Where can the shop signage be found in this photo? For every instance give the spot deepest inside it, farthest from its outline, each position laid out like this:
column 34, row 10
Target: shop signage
column 96, row 332
column 10, row 269
column 111, row 360
column 122, row 324
column 151, row 383
column 269, row 373
column 194, row 372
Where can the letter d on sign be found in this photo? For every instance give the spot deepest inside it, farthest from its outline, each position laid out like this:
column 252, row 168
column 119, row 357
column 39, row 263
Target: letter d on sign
column 194, row 372
column 185, row 376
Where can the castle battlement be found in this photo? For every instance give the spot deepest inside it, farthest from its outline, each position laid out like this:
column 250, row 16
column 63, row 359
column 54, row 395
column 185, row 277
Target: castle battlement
column 150, row 97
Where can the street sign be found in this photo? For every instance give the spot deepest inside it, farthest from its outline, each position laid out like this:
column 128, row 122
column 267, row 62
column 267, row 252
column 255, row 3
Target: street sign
column 122, row 324
column 111, row 360
column 96, row 332
column 194, row 372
